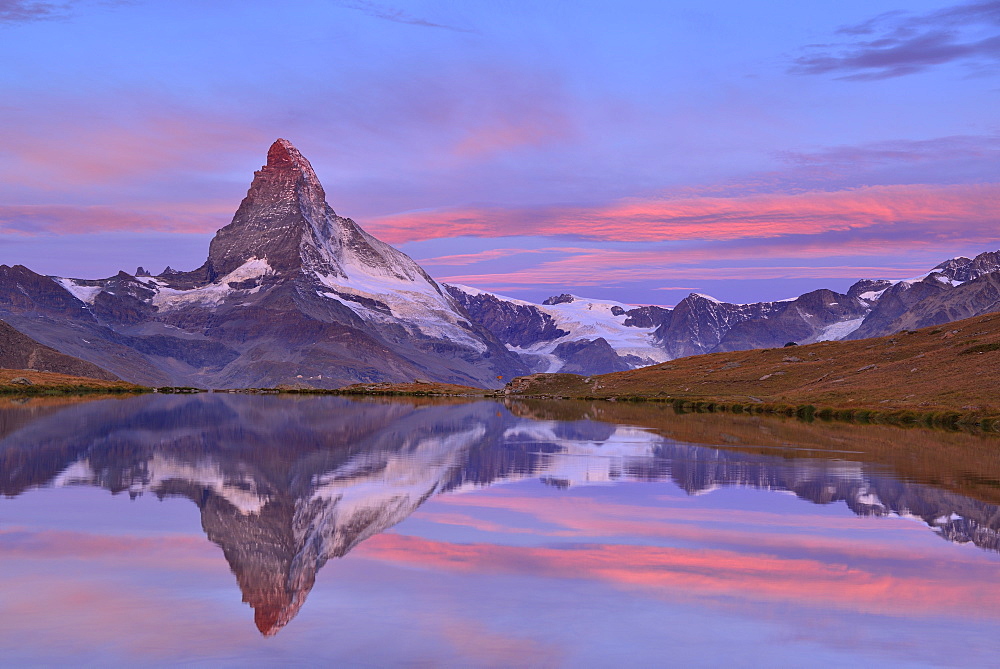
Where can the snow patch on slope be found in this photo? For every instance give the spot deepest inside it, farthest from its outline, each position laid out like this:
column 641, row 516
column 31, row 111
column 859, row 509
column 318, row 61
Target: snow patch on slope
column 415, row 303
column 85, row 294
column 840, row 330
column 937, row 276
column 872, row 295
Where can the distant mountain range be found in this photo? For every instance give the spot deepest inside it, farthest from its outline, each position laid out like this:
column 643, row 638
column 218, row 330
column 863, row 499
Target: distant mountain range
column 572, row 334
column 291, row 293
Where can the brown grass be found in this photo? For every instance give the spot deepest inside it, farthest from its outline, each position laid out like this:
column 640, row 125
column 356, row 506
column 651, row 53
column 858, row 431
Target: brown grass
column 50, row 383
column 953, row 367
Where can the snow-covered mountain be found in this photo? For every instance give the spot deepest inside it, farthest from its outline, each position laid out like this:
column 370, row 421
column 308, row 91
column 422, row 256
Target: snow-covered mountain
column 566, row 333
column 290, row 293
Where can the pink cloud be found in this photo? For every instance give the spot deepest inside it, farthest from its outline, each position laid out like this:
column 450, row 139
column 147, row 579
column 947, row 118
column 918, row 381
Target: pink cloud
column 672, row 572
column 583, row 271
column 507, row 132
column 586, row 267
column 473, row 258
column 968, row 210
column 587, row 518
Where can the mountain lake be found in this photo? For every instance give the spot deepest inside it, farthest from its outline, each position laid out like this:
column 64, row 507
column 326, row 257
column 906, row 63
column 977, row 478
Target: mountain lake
column 274, row 530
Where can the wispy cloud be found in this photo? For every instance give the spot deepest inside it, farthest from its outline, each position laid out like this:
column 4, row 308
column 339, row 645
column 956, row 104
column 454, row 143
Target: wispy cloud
column 18, row 11
column 896, row 43
column 378, row 11
column 577, row 272
column 951, row 159
column 64, row 219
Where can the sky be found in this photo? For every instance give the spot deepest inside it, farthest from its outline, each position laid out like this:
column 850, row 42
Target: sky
column 635, row 151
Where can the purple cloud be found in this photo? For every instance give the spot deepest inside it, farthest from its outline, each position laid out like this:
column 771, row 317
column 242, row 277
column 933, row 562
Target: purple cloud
column 899, row 43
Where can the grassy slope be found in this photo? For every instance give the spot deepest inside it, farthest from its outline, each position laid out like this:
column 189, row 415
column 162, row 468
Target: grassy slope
column 50, row 382
column 949, row 367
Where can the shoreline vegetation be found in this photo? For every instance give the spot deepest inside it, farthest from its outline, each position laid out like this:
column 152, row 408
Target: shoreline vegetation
column 939, row 376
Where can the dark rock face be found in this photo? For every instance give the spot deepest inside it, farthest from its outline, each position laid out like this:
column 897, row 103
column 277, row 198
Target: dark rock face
column 18, row 351
column 590, row 357
column 514, row 324
column 565, row 298
column 23, row 291
column 896, row 302
column 291, row 293
column 964, row 269
column 804, row 320
column 930, row 302
column 123, row 300
column 647, row 317
column 698, row 323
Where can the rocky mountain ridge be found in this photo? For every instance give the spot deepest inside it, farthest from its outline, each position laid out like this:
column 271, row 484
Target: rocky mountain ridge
column 572, row 334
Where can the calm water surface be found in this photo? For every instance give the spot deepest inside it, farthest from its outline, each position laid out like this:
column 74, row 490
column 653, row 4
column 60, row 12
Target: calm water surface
column 267, row 530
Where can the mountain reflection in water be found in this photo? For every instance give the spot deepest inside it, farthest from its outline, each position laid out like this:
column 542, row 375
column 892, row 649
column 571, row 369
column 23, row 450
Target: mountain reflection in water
column 286, row 483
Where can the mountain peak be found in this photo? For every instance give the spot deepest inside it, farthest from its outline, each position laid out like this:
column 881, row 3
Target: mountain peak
column 284, row 157
column 284, row 201
column 286, row 223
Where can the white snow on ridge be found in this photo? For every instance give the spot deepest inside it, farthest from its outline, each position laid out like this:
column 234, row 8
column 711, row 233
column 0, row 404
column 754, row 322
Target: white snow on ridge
column 586, row 318
column 944, row 279
column 872, row 295
column 213, row 293
column 940, row 277
column 85, row 294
